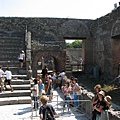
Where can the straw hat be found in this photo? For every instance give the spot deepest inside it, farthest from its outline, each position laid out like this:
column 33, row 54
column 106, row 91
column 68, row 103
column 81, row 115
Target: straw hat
column 102, row 93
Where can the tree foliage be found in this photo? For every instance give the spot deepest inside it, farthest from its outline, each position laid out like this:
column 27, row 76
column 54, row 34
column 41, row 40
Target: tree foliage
column 75, row 44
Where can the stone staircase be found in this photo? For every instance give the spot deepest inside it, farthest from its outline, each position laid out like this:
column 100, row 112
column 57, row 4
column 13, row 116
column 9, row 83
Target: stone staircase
column 10, row 46
column 20, row 95
column 68, row 66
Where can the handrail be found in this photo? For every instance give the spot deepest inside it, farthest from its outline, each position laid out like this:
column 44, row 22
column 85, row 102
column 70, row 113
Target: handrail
column 85, row 104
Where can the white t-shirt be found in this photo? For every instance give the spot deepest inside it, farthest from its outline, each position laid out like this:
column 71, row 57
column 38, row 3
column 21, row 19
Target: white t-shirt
column 8, row 75
column 21, row 56
column 67, row 91
column 35, row 93
column 1, row 72
column 76, row 85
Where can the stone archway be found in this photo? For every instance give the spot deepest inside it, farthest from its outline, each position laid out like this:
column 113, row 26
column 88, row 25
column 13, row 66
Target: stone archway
column 58, row 56
column 115, row 35
column 79, row 30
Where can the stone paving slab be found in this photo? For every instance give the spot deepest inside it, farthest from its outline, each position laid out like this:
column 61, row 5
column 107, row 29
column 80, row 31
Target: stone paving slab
column 23, row 111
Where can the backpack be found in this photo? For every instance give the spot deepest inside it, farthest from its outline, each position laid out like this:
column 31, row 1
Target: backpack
column 48, row 113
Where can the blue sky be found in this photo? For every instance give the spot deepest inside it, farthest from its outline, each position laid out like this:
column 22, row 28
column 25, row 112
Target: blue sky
column 81, row 9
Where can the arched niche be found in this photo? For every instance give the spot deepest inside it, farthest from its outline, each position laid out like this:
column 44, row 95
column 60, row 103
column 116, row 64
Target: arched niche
column 115, row 35
column 59, row 59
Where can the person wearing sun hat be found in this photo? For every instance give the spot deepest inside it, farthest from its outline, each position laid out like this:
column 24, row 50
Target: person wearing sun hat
column 21, row 58
column 104, row 114
column 97, row 89
column 100, row 104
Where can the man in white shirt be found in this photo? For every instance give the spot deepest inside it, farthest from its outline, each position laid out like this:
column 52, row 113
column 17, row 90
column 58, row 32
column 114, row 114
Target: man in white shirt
column 8, row 79
column 1, row 76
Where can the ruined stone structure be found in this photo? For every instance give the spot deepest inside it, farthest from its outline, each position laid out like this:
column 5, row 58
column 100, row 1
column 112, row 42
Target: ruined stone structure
column 100, row 37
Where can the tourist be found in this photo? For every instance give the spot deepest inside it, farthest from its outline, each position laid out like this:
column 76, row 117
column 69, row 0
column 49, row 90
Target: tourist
column 76, row 88
column 104, row 114
column 64, row 79
column 41, row 87
column 35, row 92
column 71, row 85
column 59, row 79
column 97, row 89
column 8, row 79
column 44, row 72
column 42, row 113
column 21, row 58
column 1, row 79
column 81, row 63
column 100, row 105
column 53, row 77
column 48, row 86
column 66, row 89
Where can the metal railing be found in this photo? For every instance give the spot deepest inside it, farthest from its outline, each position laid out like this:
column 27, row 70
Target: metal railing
column 83, row 109
column 77, row 67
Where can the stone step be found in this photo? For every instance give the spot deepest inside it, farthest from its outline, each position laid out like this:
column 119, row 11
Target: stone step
column 9, row 38
column 67, row 65
column 20, row 81
column 11, row 49
column 15, row 100
column 10, row 52
column 11, row 65
column 10, row 45
column 12, row 40
column 8, row 56
column 68, row 69
column 15, row 93
column 22, row 87
column 9, row 61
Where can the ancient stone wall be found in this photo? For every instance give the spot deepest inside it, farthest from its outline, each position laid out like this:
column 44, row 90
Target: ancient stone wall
column 48, row 35
column 100, row 37
column 107, row 44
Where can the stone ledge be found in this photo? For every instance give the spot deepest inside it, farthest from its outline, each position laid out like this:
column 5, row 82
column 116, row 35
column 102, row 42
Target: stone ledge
column 114, row 113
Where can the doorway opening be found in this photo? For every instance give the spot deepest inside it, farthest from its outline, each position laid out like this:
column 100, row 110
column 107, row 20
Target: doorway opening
column 75, row 54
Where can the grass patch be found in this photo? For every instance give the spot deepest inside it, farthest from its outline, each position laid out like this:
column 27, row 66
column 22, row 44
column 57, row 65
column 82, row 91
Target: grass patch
column 89, row 82
column 108, row 88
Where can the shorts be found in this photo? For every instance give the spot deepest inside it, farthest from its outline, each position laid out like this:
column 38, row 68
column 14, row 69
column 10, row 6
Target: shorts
column 1, row 81
column 8, row 81
column 20, row 60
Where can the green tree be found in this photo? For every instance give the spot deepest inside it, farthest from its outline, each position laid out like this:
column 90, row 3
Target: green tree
column 75, row 44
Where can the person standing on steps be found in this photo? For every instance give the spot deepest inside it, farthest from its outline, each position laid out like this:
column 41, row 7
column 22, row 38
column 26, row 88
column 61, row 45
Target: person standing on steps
column 35, row 92
column 8, row 79
column 44, row 73
column 1, row 76
column 21, row 58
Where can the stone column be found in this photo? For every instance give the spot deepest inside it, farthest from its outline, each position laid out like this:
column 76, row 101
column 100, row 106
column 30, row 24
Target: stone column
column 42, row 62
column 28, row 53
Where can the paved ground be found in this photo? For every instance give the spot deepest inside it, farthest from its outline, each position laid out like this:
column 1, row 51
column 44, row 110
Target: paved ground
column 23, row 111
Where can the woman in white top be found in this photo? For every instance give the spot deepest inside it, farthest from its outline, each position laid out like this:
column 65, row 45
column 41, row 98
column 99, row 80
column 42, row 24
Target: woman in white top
column 21, row 58
column 8, row 79
column 66, row 91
